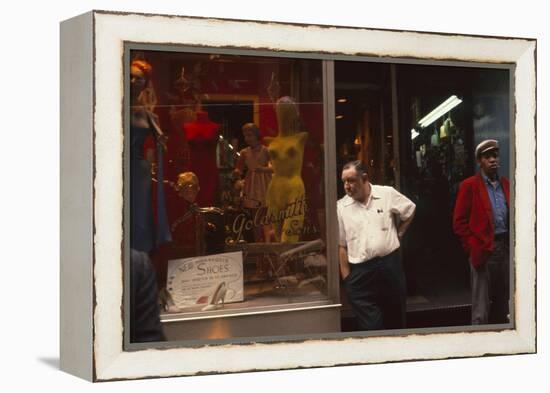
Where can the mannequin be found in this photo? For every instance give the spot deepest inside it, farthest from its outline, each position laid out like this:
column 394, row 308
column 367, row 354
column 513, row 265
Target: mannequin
column 186, row 227
column 255, row 159
column 188, row 187
column 286, row 192
column 146, row 234
column 202, row 136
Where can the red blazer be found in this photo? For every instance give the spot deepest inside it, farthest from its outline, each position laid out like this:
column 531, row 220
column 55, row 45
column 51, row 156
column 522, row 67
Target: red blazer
column 473, row 218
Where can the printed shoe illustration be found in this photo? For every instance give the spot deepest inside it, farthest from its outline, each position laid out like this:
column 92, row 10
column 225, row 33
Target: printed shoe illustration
column 217, row 298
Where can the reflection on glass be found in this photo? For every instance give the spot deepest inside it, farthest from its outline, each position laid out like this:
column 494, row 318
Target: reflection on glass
column 226, row 174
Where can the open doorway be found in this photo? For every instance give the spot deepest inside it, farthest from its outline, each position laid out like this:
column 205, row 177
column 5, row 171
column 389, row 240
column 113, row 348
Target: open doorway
column 379, row 108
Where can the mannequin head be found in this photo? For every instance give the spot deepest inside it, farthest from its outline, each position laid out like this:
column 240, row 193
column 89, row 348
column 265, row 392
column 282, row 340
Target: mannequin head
column 187, row 186
column 251, row 134
column 140, row 74
column 288, row 116
column 141, row 86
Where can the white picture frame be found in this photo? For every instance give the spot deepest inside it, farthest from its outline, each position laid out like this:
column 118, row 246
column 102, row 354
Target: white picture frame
column 92, row 195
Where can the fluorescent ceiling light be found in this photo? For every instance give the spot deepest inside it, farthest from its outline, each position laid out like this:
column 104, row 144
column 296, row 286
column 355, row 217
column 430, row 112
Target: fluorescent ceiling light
column 339, row 117
column 445, row 107
column 342, row 100
column 414, row 134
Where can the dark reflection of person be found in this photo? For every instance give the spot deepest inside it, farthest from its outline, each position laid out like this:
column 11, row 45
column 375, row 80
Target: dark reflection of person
column 484, row 122
column 145, row 233
column 481, row 222
column 370, row 263
column 145, row 323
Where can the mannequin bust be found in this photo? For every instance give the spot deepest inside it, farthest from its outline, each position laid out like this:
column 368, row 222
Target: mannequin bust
column 187, row 186
column 185, row 226
column 285, row 197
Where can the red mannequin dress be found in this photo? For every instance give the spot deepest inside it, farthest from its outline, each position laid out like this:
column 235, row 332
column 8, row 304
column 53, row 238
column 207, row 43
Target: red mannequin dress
column 202, row 136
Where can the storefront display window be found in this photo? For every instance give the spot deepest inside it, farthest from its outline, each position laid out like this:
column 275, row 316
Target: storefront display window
column 227, row 191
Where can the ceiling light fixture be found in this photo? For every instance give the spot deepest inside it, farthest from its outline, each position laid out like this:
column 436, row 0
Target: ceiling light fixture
column 445, row 107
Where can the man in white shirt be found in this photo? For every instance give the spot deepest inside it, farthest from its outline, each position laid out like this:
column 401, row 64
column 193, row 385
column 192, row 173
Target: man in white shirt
column 371, row 220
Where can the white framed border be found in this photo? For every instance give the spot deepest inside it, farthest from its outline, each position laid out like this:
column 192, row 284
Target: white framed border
column 111, row 30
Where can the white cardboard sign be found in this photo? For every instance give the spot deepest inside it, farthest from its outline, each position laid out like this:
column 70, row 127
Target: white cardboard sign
column 193, row 281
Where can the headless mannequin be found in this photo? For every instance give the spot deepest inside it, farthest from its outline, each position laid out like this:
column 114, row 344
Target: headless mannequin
column 285, row 197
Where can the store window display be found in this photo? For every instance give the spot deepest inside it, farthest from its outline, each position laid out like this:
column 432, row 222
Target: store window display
column 235, row 218
column 195, row 230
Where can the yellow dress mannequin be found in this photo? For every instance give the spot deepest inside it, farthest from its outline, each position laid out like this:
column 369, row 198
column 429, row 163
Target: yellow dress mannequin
column 285, row 197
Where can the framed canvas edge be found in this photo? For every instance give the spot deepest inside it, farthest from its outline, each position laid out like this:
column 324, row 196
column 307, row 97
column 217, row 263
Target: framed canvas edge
column 76, row 197
column 111, row 362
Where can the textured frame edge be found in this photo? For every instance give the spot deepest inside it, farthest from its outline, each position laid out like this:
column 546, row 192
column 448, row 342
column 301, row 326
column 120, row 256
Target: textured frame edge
column 76, row 196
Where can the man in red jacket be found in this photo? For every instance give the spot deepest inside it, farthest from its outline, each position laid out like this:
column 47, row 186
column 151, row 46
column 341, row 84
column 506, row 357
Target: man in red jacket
column 481, row 221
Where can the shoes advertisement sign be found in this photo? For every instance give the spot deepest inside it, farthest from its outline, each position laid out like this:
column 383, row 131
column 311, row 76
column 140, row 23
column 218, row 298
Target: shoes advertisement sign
column 206, row 282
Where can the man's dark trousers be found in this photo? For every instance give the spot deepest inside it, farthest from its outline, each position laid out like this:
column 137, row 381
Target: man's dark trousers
column 377, row 292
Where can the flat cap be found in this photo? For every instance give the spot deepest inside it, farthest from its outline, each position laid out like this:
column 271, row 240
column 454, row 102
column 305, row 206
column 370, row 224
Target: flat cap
column 485, row 146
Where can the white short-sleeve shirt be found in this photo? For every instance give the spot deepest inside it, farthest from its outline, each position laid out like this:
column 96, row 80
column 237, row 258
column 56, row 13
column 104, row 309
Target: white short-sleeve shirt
column 368, row 230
